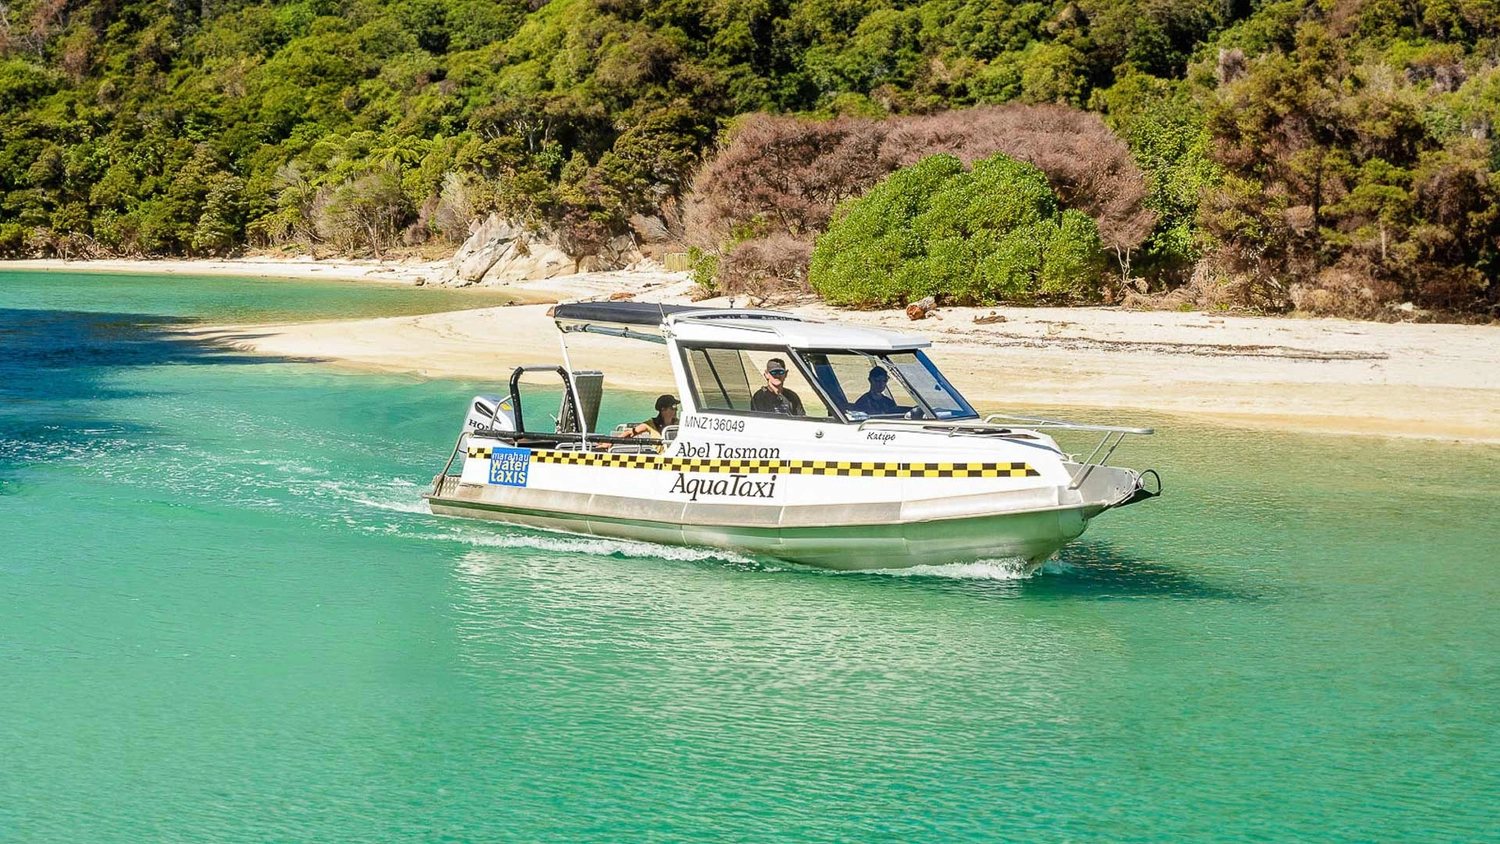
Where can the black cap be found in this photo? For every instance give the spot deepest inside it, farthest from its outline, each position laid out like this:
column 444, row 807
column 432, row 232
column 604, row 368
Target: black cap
column 772, row 364
column 879, row 372
column 665, row 401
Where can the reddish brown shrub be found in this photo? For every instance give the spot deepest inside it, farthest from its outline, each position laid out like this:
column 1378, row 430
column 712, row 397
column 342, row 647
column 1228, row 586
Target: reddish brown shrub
column 784, row 174
column 767, row 267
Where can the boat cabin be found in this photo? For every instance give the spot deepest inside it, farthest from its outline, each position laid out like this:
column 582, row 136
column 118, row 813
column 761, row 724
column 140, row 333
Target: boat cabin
column 821, row 372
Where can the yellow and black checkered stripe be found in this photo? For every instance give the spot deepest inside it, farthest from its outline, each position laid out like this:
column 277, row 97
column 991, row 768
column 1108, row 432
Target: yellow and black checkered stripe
column 482, row 452
column 842, row 468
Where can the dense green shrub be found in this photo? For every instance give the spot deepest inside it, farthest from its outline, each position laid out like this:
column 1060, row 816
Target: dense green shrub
column 994, row 233
column 12, row 240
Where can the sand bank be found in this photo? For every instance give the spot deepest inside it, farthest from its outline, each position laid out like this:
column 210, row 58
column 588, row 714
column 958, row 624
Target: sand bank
column 1324, row 375
column 331, row 269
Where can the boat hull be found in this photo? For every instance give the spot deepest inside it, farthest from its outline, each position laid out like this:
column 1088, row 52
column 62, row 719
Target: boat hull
column 1031, row 536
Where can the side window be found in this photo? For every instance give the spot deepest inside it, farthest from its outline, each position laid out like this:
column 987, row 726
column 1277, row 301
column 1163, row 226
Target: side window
column 729, row 379
column 720, row 381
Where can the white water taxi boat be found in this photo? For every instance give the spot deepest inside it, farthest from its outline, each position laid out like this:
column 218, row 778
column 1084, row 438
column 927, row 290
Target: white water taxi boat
column 807, row 441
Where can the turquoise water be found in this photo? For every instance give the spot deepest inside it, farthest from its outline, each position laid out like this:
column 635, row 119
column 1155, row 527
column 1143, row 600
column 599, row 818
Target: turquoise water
column 225, row 617
column 216, row 299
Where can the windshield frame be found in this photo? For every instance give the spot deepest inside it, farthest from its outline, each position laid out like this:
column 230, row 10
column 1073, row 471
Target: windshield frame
column 881, row 357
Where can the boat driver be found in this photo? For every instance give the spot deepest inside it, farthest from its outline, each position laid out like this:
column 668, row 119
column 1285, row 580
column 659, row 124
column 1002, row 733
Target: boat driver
column 775, row 397
column 877, row 401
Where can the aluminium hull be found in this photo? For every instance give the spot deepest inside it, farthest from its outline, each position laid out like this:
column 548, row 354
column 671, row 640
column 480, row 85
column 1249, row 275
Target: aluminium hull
column 1032, row 535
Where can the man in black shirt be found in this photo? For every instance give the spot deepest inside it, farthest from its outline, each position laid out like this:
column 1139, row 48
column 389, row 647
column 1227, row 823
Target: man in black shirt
column 877, row 401
column 775, row 397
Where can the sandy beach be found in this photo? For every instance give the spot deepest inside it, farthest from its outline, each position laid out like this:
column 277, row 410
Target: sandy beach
column 1317, row 375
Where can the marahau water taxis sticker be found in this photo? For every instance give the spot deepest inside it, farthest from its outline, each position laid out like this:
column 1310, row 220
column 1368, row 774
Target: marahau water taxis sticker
column 509, row 466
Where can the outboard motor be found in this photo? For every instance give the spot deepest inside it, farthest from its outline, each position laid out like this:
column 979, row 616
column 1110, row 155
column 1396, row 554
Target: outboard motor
column 488, row 413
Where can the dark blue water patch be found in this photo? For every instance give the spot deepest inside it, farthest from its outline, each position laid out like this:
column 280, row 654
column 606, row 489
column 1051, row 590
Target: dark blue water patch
column 1098, row 569
column 57, row 370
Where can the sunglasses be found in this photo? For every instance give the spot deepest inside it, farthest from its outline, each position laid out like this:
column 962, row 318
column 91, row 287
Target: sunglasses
column 779, row 373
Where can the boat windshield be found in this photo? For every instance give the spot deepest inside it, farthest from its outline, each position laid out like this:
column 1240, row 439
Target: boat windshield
column 886, row 385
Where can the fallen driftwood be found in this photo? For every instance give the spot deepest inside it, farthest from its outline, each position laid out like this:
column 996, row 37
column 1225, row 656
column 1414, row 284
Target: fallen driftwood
column 989, row 320
column 920, row 308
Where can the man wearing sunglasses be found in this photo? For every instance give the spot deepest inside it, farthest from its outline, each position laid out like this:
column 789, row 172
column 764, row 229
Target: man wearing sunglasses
column 775, row 397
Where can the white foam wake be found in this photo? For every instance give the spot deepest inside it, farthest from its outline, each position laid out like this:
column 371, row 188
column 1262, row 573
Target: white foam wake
column 397, row 495
column 594, row 546
column 1001, row 569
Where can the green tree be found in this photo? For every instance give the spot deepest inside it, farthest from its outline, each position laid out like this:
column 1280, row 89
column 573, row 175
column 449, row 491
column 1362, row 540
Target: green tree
column 223, row 218
column 1171, row 143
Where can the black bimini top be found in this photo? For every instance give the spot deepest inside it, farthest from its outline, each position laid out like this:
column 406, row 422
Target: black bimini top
column 617, row 313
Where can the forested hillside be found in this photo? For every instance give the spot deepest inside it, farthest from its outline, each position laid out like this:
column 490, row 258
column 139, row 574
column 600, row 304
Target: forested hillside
column 1333, row 156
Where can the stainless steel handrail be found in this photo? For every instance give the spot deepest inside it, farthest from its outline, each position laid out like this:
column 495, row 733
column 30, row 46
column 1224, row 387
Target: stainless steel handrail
column 1039, row 422
column 437, row 483
column 1114, row 435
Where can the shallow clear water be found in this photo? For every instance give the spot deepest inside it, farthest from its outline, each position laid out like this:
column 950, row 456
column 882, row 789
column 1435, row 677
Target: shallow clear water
column 216, row 299
column 224, row 616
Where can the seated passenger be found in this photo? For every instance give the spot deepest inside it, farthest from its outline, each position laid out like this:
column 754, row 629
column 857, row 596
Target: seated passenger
column 666, row 416
column 876, row 401
column 775, row 397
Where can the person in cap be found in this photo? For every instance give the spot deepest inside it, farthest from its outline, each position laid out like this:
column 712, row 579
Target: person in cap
column 666, row 416
column 877, row 400
column 776, row 397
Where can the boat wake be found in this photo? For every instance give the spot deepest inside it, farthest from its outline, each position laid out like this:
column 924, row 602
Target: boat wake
column 398, row 495
column 1002, row 569
column 590, row 546
column 999, row 569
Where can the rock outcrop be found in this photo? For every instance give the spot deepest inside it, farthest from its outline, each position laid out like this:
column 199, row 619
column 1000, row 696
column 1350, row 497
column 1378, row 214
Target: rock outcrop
column 650, row 229
column 616, row 254
column 500, row 251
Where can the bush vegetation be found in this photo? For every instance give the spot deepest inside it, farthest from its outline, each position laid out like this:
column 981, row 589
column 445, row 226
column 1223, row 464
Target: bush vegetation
column 1334, row 155
column 990, row 234
column 780, row 178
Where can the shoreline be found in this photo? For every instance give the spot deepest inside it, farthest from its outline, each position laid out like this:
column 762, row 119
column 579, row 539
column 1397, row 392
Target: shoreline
column 1431, row 381
column 291, row 268
column 1427, row 381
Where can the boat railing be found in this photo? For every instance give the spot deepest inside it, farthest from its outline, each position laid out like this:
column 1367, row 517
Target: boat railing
column 1001, row 425
column 437, row 483
column 1113, row 436
column 1040, row 422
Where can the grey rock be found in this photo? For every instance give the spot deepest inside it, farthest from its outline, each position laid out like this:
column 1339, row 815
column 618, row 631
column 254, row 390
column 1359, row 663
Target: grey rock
column 650, row 229
column 488, row 242
column 499, row 251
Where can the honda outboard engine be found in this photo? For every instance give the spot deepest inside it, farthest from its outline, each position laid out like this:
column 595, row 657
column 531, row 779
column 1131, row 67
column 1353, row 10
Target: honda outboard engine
column 489, row 413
